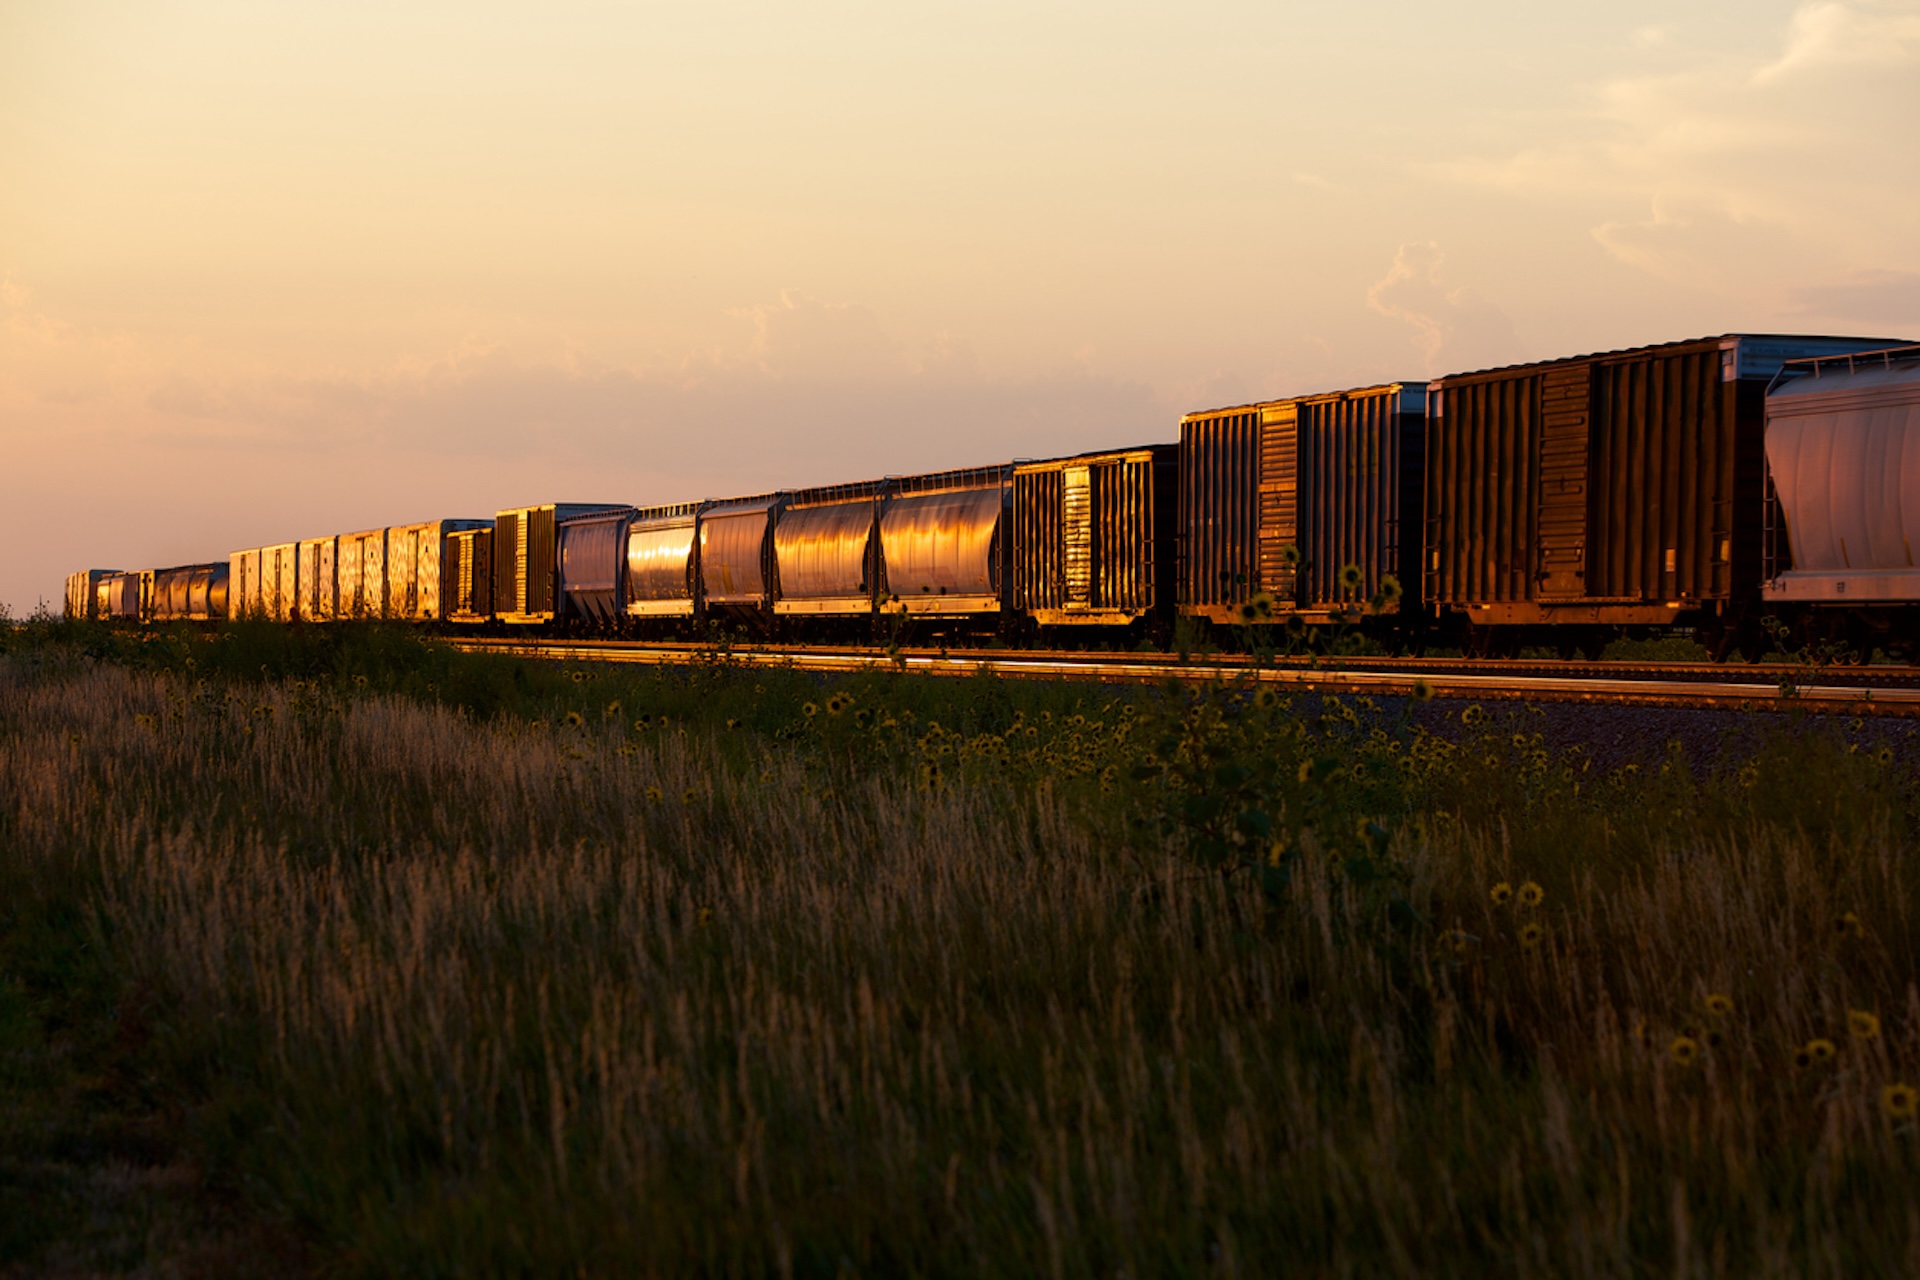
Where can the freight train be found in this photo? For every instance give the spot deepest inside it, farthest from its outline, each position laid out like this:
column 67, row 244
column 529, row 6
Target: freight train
column 1725, row 485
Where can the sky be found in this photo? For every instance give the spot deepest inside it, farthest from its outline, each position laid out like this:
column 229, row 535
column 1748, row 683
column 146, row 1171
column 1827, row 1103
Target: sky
column 273, row 271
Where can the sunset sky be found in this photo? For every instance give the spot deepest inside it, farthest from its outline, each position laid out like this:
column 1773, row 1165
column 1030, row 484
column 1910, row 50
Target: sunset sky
column 270, row 271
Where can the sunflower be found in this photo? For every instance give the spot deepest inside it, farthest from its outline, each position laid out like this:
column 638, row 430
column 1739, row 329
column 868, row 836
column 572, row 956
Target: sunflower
column 1820, row 1050
column 809, row 711
column 1390, row 590
column 1862, row 1025
column 1501, row 894
column 653, row 793
column 1532, row 935
column 1290, row 556
column 1422, row 691
column 1351, row 577
column 1683, row 1050
column 1719, row 1005
column 575, row 719
column 1531, row 894
column 1900, row 1101
column 1849, row 926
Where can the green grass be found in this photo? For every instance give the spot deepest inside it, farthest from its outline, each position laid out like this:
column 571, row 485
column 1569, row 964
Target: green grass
column 459, row 965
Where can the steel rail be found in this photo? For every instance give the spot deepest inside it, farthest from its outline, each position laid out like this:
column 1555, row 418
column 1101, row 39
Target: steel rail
column 1827, row 696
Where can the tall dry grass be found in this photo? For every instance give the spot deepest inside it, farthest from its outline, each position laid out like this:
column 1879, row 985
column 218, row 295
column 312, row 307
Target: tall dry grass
column 468, row 998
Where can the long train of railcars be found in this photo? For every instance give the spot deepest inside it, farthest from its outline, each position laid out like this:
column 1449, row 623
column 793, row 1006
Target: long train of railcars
column 1723, row 484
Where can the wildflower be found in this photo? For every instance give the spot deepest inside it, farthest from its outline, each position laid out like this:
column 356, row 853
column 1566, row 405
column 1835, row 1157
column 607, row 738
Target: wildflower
column 1473, row 714
column 1351, row 577
column 1390, row 589
column 732, row 723
column 1862, row 1025
column 837, row 703
column 1265, row 698
column 809, row 711
column 1531, row 894
column 1457, row 941
column 579, row 677
column 1884, row 757
column 1501, row 894
column 706, row 915
column 642, row 723
column 1641, row 1034
column 1719, row 1005
column 1849, row 926
column 767, row 776
column 1422, row 691
column 1820, row 1050
column 1683, row 1050
column 1257, row 608
column 575, row 720
column 1290, row 555
column 1532, row 934
column 653, row 794
column 611, row 711
column 690, row 796
column 145, row 721
column 1900, row 1101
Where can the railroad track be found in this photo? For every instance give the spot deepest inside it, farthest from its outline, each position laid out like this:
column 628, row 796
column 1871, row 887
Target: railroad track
column 1849, row 690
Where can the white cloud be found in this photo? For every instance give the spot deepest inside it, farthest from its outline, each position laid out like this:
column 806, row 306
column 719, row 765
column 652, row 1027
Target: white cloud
column 1748, row 178
column 1452, row 325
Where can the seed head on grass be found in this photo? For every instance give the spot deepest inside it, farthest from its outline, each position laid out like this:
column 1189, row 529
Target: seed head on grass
column 1862, row 1025
column 1899, row 1101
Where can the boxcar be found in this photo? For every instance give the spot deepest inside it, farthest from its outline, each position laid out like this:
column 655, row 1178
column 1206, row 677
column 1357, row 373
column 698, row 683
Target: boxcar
column 824, row 550
column 943, row 549
column 1093, row 535
column 1312, row 502
column 1843, row 460
column 419, row 566
column 318, row 578
column 360, row 571
column 1615, row 488
column 662, row 570
column 83, row 593
column 264, row 582
column 467, row 584
column 526, row 559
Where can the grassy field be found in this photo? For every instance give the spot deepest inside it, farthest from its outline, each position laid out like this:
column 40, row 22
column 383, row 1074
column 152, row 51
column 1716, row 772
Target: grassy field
column 348, row 954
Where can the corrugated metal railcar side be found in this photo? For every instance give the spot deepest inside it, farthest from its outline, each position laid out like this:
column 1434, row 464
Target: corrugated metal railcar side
column 662, row 567
column 1311, row 501
column 1843, row 462
column 360, row 574
column 188, row 593
column 416, row 564
column 1610, row 488
column 593, row 564
column 526, row 558
column 467, row 575
column 83, row 588
column 319, row 583
column 737, row 569
column 945, row 544
column 1093, row 535
column 825, row 552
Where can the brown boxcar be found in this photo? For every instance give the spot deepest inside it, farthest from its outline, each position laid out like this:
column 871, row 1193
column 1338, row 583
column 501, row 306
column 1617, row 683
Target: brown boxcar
column 526, row 558
column 1312, row 502
column 83, row 593
column 1093, row 535
column 1613, row 488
